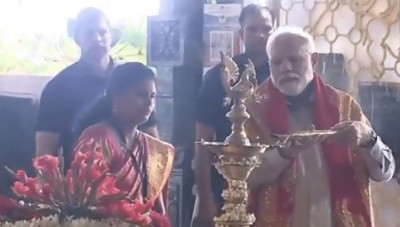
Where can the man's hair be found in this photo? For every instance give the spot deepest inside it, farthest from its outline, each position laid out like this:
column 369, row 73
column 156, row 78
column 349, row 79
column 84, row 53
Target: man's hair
column 253, row 9
column 294, row 31
column 89, row 15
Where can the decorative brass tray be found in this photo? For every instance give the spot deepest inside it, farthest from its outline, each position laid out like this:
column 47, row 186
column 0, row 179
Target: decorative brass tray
column 298, row 136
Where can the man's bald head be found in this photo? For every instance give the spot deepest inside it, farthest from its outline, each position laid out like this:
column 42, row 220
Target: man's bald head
column 293, row 55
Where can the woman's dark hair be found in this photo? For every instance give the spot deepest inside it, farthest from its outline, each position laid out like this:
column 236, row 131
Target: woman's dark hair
column 123, row 78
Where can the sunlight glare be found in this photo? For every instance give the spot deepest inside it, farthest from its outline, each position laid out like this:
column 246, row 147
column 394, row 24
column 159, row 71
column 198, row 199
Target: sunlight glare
column 51, row 16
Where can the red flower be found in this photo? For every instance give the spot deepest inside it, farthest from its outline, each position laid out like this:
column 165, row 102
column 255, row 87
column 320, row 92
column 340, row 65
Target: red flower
column 129, row 212
column 33, row 184
column 20, row 189
column 88, row 183
column 143, row 207
column 46, row 190
column 90, row 166
column 107, row 187
column 46, row 162
column 78, row 159
column 159, row 220
column 48, row 165
column 21, row 176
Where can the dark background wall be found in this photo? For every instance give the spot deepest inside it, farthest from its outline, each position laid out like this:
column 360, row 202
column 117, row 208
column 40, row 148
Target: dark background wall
column 17, row 119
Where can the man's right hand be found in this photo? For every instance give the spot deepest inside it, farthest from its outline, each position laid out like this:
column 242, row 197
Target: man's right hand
column 205, row 216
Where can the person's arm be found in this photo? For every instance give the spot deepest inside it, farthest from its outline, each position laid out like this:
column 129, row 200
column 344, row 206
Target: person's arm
column 50, row 120
column 377, row 157
column 47, row 143
column 379, row 161
column 150, row 126
column 202, row 168
column 209, row 105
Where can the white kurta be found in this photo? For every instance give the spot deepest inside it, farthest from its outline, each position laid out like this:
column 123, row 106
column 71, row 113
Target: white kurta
column 312, row 196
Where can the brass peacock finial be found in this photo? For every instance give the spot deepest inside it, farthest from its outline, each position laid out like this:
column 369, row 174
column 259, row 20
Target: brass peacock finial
column 234, row 83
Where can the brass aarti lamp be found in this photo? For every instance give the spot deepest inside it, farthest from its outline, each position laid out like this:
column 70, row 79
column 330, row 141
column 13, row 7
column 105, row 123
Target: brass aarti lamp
column 237, row 156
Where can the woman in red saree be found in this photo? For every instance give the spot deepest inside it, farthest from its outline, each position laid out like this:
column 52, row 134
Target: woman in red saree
column 141, row 163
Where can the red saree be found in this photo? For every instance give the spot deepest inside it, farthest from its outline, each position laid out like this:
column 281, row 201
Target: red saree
column 159, row 157
column 348, row 178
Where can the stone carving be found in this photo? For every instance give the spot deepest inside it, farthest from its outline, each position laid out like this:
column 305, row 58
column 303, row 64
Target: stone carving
column 364, row 31
column 165, row 41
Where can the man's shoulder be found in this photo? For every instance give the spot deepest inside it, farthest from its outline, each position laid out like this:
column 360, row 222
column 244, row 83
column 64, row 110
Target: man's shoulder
column 339, row 94
column 213, row 73
column 116, row 62
column 345, row 101
column 69, row 70
column 64, row 75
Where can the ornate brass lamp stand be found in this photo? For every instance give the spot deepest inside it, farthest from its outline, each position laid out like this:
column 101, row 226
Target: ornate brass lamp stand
column 236, row 157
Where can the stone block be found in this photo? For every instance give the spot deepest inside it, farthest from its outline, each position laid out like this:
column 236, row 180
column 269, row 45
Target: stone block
column 332, row 69
column 165, row 117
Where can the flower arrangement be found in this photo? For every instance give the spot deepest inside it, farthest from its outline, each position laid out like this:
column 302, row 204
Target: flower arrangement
column 87, row 195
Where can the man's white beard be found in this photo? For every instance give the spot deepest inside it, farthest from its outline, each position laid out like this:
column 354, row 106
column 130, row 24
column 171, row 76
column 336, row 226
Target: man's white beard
column 295, row 87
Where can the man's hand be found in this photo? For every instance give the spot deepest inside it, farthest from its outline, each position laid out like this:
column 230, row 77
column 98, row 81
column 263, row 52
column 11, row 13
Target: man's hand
column 207, row 206
column 352, row 133
column 205, row 216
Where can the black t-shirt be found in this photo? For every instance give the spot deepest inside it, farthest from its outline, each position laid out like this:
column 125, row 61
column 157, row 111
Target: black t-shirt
column 211, row 111
column 66, row 96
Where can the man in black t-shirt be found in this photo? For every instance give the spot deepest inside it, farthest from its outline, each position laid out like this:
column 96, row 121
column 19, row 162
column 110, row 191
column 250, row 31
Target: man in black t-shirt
column 212, row 124
column 75, row 87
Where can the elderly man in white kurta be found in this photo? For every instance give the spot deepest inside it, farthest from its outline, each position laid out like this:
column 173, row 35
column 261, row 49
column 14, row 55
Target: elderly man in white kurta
column 313, row 181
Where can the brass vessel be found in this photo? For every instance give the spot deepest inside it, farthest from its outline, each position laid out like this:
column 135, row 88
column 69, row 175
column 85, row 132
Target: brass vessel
column 237, row 156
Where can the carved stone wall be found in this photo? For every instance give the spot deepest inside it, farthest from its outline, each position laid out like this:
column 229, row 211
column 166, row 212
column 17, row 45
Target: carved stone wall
column 332, row 68
column 366, row 32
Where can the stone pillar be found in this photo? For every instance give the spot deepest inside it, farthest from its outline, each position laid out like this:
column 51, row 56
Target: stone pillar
column 179, row 77
column 187, row 81
column 332, row 69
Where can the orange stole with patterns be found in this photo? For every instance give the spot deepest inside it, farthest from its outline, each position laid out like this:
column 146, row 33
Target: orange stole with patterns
column 273, row 204
column 160, row 158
